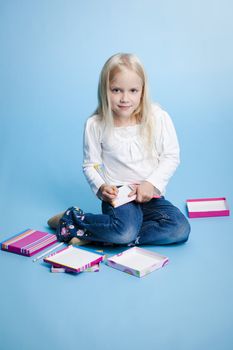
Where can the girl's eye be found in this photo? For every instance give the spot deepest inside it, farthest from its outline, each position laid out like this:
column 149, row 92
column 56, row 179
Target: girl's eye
column 134, row 91
column 115, row 90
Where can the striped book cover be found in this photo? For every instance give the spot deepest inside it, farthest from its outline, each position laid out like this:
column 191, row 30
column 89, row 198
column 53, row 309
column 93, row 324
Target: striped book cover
column 29, row 242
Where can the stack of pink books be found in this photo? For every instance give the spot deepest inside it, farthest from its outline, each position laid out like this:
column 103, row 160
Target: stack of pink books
column 29, row 242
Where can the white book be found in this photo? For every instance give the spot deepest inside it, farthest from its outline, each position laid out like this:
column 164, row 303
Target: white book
column 124, row 191
column 123, row 196
column 137, row 261
column 74, row 259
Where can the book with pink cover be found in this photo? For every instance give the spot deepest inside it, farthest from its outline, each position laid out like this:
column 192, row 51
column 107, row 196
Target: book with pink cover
column 29, row 242
column 207, row 207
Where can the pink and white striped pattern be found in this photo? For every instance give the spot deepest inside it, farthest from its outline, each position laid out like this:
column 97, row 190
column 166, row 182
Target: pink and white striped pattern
column 29, row 242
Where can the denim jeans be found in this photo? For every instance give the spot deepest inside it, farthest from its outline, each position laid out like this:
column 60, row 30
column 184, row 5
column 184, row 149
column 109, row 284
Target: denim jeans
column 154, row 222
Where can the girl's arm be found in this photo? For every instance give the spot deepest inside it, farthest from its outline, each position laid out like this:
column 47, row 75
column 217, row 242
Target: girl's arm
column 168, row 152
column 92, row 153
column 92, row 161
column 167, row 148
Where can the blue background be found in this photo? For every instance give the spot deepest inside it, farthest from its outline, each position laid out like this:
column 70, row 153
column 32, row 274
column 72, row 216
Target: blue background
column 52, row 52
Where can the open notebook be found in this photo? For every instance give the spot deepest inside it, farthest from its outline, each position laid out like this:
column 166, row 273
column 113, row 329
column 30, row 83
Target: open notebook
column 124, row 191
column 74, row 259
column 137, row 261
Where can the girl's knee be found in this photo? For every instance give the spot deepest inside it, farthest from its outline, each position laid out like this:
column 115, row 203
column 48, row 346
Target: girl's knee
column 182, row 230
column 126, row 228
column 126, row 236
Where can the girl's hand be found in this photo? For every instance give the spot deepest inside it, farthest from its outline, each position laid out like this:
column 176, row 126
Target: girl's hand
column 144, row 192
column 108, row 192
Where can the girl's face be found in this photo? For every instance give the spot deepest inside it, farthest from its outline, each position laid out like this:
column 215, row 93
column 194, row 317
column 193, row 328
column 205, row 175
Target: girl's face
column 125, row 91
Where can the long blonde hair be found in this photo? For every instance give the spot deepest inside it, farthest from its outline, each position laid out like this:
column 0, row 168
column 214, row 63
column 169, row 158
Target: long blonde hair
column 143, row 113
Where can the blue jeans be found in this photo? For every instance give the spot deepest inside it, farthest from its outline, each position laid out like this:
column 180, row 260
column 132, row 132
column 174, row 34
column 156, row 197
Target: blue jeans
column 154, row 222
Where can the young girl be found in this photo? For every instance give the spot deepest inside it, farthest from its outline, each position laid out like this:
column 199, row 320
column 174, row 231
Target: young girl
column 136, row 144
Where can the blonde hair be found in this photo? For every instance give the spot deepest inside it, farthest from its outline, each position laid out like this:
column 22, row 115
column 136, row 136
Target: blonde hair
column 143, row 113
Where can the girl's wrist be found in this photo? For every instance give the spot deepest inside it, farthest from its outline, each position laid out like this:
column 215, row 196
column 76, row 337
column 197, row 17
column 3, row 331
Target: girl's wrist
column 100, row 190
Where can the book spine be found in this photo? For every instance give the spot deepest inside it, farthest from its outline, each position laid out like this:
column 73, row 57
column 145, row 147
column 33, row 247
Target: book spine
column 15, row 250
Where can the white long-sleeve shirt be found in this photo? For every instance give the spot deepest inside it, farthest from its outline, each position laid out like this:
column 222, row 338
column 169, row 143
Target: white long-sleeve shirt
column 124, row 157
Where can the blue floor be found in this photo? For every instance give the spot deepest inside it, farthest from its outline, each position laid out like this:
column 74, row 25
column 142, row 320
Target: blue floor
column 185, row 305
column 51, row 56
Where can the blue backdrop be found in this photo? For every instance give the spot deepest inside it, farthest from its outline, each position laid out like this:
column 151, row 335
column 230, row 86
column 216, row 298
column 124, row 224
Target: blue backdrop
column 52, row 52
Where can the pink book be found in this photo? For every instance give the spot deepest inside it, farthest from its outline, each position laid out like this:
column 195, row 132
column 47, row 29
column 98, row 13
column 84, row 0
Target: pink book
column 207, row 207
column 29, row 242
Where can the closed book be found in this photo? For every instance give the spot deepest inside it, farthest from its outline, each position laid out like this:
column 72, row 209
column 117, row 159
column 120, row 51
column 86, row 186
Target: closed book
column 29, row 242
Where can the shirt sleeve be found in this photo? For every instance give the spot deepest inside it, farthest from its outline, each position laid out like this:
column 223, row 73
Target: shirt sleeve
column 168, row 152
column 92, row 153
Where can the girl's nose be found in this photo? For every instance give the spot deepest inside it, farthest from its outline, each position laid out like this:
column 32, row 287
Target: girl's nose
column 124, row 97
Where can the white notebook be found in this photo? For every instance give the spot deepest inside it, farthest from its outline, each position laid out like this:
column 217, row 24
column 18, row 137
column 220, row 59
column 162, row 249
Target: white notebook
column 124, row 191
column 123, row 196
column 74, row 259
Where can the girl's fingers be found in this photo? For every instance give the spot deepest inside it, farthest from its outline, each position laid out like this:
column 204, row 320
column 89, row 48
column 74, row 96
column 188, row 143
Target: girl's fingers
column 141, row 199
column 132, row 193
column 114, row 190
column 110, row 192
column 145, row 192
column 134, row 190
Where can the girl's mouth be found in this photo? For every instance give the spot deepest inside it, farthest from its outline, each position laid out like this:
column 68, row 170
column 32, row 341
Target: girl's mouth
column 124, row 107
